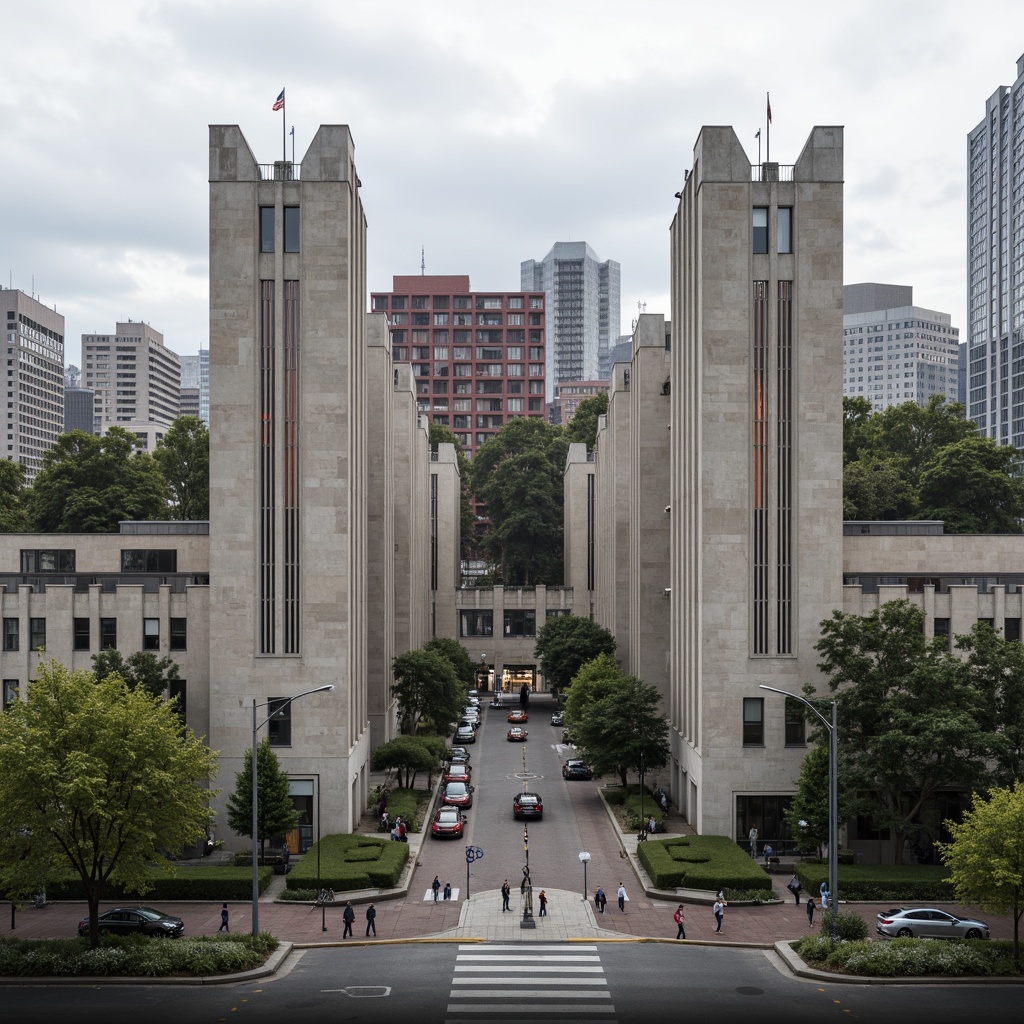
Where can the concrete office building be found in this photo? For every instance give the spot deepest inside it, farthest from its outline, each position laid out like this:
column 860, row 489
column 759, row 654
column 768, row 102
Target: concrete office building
column 137, row 381
column 35, row 379
column 583, row 311
column 995, row 266
column 478, row 358
column 894, row 351
column 568, row 397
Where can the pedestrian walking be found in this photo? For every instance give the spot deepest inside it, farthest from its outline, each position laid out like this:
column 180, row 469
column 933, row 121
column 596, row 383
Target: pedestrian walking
column 794, row 887
column 810, row 910
column 768, row 852
column 447, row 890
column 348, row 917
column 543, row 900
column 678, row 917
column 752, row 838
column 652, row 825
column 621, row 893
column 224, row 926
column 719, row 909
column 436, row 886
column 600, row 899
column 403, row 831
column 824, row 894
column 371, row 920
column 506, row 892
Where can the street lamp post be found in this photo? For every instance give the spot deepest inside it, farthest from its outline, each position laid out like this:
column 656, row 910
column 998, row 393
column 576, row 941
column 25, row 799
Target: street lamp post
column 584, row 860
column 255, row 858
column 833, row 792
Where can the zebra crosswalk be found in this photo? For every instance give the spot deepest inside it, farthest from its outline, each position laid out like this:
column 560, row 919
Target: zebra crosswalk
column 521, row 983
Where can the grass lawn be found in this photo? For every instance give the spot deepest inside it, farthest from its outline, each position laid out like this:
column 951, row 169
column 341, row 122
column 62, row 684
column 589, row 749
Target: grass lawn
column 350, row 862
column 701, row 862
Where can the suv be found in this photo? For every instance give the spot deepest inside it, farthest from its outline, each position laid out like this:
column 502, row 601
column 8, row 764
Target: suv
column 574, row 768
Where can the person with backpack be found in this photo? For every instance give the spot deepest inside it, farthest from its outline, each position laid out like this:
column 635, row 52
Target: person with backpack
column 679, row 918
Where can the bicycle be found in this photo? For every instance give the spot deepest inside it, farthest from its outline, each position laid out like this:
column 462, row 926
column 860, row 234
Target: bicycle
column 325, row 896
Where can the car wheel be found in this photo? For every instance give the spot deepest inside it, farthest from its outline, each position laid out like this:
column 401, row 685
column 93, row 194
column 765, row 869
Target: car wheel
column 904, row 933
column 974, row 933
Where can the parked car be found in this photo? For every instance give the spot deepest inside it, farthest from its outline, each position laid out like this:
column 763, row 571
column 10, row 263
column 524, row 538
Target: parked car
column 517, row 735
column 558, row 718
column 461, row 758
column 928, row 923
column 527, row 805
column 458, row 752
column 518, row 716
column 449, row 823
column 458, row 794
column 574, row 768
column 457, row 773
column 465, row 734
column 135, row 921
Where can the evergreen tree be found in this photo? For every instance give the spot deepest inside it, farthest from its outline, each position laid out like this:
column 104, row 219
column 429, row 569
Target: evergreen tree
column 275, row 813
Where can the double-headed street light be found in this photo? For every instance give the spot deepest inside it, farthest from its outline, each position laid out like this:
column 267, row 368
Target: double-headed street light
column 833, row 792
column 280, row 705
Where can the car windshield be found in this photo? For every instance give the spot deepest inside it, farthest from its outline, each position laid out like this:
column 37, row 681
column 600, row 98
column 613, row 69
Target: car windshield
column 455, row 789
column 448, row 817
column 150, row 915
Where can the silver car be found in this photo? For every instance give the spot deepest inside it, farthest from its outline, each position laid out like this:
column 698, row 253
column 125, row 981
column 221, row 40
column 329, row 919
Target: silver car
column 928, row 923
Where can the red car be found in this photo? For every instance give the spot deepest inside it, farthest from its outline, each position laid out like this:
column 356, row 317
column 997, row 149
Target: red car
column 448, row 823
column 457, row 773
column 518, row 716
column 458, row 794
column 517, row 735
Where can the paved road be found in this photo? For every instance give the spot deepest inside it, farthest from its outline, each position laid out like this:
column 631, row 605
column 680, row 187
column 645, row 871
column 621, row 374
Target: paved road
column 572, row 983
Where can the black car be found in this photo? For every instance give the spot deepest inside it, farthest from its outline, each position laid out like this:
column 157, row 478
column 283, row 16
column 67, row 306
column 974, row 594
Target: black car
column 135, row 921
column 527, row 805
column 577, row 769
column 558, row 718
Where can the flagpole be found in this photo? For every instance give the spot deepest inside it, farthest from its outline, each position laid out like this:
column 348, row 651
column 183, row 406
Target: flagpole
column 758, row 136
column 768, row 131
column 293, row 143
column 284, row 131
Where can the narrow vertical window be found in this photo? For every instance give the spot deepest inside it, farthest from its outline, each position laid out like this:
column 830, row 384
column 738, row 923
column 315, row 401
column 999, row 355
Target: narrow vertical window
column 784, row 231
column 784, row 464
column 108, row 634
column 292, row 529
column 279, row 724
column 753, row 721
column 266, row 428
column 151, row 634
column 11, row 692
column 796, row 724
column 81, row 639
column 760, row 229
column 37, row 634
column 291, row 229
column 266, row 229
column 11, row 634
column 179, row 635
column 759, row 469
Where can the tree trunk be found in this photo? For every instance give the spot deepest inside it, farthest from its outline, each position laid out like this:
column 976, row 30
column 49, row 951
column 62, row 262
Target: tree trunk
column 92, row 899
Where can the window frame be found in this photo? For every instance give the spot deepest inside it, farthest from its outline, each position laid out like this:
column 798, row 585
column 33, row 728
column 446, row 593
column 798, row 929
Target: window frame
column 267, row 217
column 279, row 721
column 796, row 723
column 150, row 637
column 12, row 633
column 37, row 634
column 177, row 638
column 784, row 235
column 753, row 728
column 82, row 633
column 291, row 228
column 759, row 232
column 106, row 632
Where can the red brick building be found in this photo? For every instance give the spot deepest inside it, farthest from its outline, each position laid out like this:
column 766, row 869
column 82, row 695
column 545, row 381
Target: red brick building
column 478, row 357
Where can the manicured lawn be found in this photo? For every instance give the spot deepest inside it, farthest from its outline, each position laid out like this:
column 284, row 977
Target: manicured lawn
column 701, row 862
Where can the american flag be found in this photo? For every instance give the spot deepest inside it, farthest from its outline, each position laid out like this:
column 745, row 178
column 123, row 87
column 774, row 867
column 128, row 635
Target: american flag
column 279, row 102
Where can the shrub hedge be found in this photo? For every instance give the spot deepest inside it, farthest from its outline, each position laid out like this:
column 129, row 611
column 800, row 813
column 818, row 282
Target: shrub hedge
column 701, row 862
column 134, row 956
column 635, row 812
column 908, row 957
column 405, row 803
column 920, row 883
column 189, row 883
column 350, row 862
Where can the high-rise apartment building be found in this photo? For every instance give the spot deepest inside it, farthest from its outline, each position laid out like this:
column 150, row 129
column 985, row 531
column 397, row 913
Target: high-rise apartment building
column 35, row 379
column 137, row 381
column 478, row 358
column 79, row 406
column 583, row 311
column 894, row 351
column 995, row 266
column 195, row 374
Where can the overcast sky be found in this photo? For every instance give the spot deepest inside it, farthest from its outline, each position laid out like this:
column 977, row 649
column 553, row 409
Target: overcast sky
column 485, row 131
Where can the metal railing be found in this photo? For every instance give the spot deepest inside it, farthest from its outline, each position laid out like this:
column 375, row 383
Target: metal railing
column 771, row 172
column 280, row 170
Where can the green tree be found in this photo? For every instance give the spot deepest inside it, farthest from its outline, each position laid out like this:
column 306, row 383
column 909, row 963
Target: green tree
column 183, row 456
column 275, row 813
column 438, row 433
column 567, row 642
column 456, row 655
column 427, row 690
column 857, row 413
column 140, row 670
column 807, row 816
column 593, row 681
column 407, row 756
column 910, row 719
column 971, row 485
column 582, row 428
column 915, row 433
column 878, row 488
column 985, row 857
column 12, row 497
column 98, row 778
column 996, row 667
column 89, row 484
column 621, row 727
column 517, row 474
